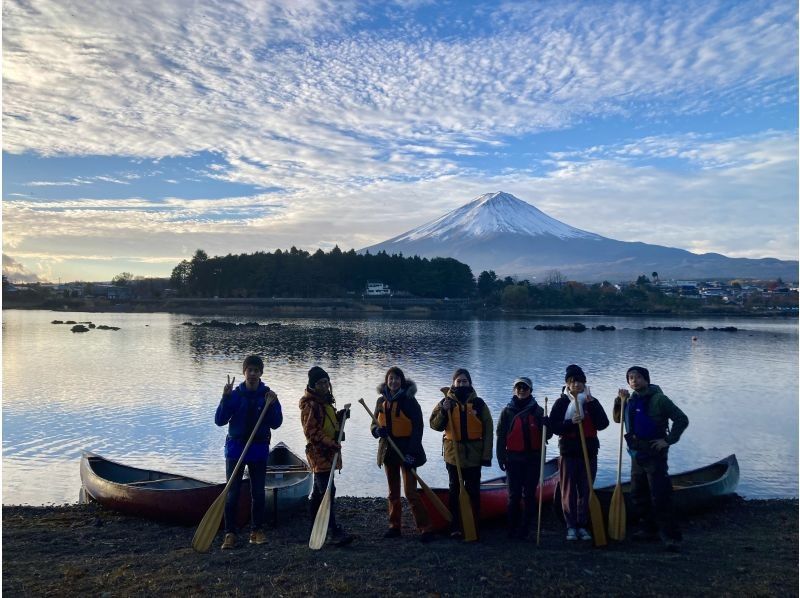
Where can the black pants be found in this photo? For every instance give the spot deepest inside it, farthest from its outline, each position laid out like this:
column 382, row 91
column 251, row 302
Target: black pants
column 472, row 482
column 522, row 477
column 317, row 493
column 257, row 470
column 651, row 493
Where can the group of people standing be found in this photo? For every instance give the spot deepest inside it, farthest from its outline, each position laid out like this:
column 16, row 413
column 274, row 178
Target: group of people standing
column 652, row 423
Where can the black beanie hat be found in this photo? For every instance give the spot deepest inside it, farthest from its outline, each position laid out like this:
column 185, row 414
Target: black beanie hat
column 316, row 374
column 643, row 371
column 576, row 373
column 461, row 371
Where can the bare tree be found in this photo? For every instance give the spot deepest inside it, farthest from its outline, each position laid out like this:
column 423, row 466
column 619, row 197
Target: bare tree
column 554, row 278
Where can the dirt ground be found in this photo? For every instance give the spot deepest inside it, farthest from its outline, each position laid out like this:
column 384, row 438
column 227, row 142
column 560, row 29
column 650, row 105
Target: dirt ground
column 741, row 548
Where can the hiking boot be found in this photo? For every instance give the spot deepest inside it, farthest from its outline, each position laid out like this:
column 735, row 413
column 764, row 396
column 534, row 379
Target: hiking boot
column 392, row 532
column 229, row 541
column 572, row 534
column 258, row 537
column 645, row 535
column 426, row 537
column 583, row 534
column 338, row 537
column 672, row 545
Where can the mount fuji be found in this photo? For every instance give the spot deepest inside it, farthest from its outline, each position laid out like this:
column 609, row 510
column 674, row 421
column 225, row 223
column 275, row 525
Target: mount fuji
column 500, row 232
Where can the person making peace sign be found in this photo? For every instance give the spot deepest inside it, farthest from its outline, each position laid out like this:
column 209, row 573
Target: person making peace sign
column 240, row 409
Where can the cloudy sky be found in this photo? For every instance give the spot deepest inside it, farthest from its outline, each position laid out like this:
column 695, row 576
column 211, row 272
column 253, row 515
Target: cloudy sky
column 137, row 132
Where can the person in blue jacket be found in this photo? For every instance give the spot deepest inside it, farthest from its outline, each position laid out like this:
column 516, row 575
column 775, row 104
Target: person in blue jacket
column 240, row 409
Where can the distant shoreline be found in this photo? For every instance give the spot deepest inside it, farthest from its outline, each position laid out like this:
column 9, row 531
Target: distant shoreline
column 349, row 308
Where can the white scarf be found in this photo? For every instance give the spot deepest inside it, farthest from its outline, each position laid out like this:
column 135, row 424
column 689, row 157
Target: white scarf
column 571, row 409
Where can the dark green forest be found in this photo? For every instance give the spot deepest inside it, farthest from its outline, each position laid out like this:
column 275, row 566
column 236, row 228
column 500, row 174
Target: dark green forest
column 297, row 273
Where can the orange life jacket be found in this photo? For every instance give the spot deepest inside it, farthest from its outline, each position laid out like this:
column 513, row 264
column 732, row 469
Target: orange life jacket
column 395, row 421
column 466, row 421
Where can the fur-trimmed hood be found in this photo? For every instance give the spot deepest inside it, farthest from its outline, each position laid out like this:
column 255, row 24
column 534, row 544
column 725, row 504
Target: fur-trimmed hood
column 410, row 389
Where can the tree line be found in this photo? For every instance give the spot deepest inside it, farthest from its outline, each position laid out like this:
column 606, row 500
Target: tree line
column 298, row 273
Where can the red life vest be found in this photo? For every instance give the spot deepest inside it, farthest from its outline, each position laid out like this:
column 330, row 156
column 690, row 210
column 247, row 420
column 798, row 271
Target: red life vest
column 524, row 434
column 589, row 429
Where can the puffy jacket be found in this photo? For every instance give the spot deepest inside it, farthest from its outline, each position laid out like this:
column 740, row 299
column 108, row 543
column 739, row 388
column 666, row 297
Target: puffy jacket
column 569, row 443
column 315, row 413
column 409, row 441
column 470, row 452
column 240, row 411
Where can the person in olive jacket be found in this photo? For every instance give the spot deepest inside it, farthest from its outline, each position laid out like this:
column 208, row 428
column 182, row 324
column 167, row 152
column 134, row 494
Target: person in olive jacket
column 400, row 419
column 565, row 417
column 519, row 451
column 468, row 428
column 647, row 413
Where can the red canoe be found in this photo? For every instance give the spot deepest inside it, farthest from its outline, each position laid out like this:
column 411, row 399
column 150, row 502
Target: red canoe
column 494, row 496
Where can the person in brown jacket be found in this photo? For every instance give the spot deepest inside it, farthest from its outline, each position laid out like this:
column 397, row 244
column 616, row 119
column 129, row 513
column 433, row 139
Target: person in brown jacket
column 400, row 419
column 321, row 424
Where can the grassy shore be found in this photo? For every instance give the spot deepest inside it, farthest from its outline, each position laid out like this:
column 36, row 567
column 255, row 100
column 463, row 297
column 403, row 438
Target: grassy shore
column 741, row 548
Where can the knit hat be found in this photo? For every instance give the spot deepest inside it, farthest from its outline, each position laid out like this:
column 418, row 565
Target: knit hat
column 316, row 374
column 576, row 373
column 637, row 368
column 523, row 380
column 462, row 371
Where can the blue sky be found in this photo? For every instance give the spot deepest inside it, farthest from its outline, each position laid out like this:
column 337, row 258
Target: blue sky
column 137, row 132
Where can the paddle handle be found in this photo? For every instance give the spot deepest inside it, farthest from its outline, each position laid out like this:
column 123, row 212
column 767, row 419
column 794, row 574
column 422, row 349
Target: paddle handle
column 336, row 456
column 249, row 442
column 583, row 446
column 621, row 436
column 541, row 475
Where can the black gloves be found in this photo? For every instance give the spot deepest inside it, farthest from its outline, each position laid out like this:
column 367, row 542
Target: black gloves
column 380, row 432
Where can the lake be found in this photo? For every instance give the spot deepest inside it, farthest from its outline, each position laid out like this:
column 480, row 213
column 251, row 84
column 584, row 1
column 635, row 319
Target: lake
column 146, row 394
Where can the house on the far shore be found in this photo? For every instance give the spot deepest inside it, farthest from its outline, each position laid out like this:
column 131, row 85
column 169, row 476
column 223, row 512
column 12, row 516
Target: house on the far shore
column 377, row 289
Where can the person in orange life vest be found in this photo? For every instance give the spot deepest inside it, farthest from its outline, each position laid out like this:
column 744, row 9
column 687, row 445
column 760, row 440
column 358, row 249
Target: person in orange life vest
column 240, row 409
column 471, row 434
column 519, row 451
column 400, row 418
column 321, row 424
column 648, row 412
column 565, row 419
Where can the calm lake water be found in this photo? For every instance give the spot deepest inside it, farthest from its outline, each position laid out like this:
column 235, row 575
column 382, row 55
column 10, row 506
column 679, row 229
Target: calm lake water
column 146, row 394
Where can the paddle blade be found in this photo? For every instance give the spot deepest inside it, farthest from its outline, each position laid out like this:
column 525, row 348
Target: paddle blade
column 209, row 525
column 320, row 530
column 467, row 520
column 616, row 515
column 596, row 516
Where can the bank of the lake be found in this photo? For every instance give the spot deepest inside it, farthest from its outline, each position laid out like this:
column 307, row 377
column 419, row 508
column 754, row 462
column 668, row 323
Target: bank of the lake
column 356, row 307
column 741, row 548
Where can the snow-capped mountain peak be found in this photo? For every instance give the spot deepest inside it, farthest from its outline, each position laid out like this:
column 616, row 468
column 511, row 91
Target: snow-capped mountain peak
column 490, row 214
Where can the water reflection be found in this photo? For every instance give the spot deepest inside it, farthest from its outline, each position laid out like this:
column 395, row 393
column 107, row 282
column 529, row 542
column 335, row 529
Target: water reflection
column 146, row 394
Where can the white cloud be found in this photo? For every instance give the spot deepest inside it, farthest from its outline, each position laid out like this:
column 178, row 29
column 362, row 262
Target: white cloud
column 16, row 272
column 364, row 131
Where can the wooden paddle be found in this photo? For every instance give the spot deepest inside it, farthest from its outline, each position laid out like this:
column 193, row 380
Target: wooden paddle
column 595, row 510
column 616, row 511
column 541, row 475
column 320, row 530
column 209, row 525
column 443, row 510
column 464, row 504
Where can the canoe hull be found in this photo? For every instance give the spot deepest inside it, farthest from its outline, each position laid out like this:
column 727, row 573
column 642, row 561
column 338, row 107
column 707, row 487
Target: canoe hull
column 693, row 490
column 182, row 500
column 494, row 496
